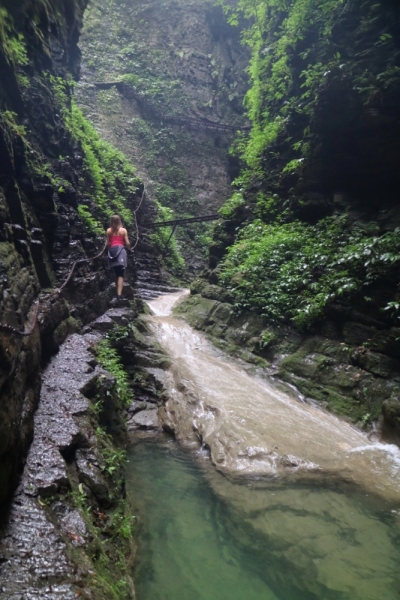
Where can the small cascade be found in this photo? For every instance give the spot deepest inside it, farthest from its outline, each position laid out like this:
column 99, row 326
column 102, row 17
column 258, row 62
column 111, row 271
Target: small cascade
column 253, row 427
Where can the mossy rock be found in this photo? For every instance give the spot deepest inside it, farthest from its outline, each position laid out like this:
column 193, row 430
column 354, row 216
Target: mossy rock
column 305, row 365
column 65, row 329
column 196, row 310
column 391, row 412
column 329, row 398
column 378, row 364
column 224, row 313
column 210, row 290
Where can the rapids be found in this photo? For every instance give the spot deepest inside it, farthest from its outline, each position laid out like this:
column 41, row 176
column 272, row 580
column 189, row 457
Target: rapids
column 301, row 505
column 251, row 427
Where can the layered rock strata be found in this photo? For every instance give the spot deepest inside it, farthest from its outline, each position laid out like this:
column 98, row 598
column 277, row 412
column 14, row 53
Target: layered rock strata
column 67, row 507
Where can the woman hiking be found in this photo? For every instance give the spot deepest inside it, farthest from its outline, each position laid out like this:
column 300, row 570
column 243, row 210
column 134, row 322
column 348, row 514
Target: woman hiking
column 117, row 241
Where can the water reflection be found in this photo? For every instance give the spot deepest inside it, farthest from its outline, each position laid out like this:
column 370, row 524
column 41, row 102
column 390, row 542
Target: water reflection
column 205, row 537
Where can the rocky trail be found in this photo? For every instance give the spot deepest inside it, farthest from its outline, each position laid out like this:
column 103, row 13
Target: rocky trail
column 44, row 526
column 36, row 562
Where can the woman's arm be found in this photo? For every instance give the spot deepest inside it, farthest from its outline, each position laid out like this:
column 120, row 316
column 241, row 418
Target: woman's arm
column 108, row 237
column 126, row 239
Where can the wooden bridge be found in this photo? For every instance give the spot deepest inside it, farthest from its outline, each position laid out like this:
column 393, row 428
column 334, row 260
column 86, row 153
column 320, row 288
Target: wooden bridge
column 175, row 222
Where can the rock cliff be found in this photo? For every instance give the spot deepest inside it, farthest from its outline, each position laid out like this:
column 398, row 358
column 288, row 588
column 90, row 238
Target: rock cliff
column 310, row 238
column 53, row 205
column 179, row 69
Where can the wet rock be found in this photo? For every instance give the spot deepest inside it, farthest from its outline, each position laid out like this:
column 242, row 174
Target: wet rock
column 197, row 311
column 74, row 526
column 31, row 548
column 90, row 474
column 158, row 374
column 146, row 419
column 148, row 358
column 34, row 554
column 357, row 333
column 45, row 472
column 136, row 406
column 103, row 323
column 305, row 365
column 121, row 316
column 376, row 363
column 391, row 412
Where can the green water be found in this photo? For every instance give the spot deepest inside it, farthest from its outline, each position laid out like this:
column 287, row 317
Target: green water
column 202, row 537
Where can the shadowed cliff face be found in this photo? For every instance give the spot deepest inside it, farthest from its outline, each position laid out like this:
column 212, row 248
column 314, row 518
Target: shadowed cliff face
column 178, row 59
column 37, row 41
column 43, row 179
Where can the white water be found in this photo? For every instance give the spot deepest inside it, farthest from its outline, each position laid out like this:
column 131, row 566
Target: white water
column 252, row 428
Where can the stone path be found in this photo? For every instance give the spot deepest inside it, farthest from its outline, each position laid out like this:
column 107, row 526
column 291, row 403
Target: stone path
column 33, row 548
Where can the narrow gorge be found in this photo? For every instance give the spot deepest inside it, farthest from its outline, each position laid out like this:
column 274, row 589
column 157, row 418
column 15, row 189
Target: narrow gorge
column 231, row 427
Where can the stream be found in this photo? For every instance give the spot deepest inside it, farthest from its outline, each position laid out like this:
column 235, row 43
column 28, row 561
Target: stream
column 294, row 504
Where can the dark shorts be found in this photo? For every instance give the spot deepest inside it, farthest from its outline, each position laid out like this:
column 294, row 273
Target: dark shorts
column 119, row 271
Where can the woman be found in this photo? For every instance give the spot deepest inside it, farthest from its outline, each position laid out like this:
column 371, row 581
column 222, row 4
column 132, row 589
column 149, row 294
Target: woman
column 117, row 241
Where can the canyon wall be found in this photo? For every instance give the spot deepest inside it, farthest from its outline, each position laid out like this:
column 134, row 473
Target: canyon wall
column 309, row 247
column 179, row 69
column 53, row 207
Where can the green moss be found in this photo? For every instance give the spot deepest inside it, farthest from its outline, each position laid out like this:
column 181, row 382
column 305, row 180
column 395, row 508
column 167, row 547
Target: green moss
column 113, row 181
column 165, row 244
column 89, row 221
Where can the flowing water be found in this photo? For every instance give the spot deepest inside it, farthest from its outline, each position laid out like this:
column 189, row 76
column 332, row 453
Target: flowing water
column 300, row 505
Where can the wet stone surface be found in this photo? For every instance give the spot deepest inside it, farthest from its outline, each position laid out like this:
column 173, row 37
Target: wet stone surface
column 33, row 548
column 145, row 419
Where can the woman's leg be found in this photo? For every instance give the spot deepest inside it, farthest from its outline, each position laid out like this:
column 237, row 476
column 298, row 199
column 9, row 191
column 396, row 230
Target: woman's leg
column 120, row 285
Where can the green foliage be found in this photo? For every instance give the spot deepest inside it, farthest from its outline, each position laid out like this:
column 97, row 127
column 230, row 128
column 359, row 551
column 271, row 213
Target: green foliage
column 266, row 338
column 162, row 242
column 113, row 180
column 266, row 207
column 112, row 175
column 89, row 221
column 109, row 359
column 230, row 206
column 114, row 458
column 13, row 43
column 124, row 525
column 292, row 271
column 292, row 59
column 293, row 166
column 10, row 119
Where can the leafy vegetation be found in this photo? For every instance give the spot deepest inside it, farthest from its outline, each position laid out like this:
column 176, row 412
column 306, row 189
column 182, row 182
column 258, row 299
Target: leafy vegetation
column 292, row 271
column 165, row 242
column 293, row 59
column 279, row 266
column 13, row 43
column 108, row 357
column 113, row 180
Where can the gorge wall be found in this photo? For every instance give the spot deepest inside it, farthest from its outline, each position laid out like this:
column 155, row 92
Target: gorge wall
column 175, row 59
column 58, row 184
column 308, row 252
column 36, row 44
column 65, row 524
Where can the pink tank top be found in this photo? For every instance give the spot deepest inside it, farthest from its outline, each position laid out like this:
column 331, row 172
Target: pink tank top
column 117, row 240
